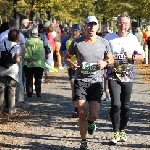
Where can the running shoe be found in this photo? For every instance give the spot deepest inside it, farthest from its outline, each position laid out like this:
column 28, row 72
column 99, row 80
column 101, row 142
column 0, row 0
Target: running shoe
column 83, row 146
column 116, row 138
column 91, row 128
column 123, row 137
column 106, row 99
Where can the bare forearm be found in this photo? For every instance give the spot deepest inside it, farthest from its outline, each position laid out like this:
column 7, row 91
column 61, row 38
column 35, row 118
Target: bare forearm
column 67, row 61
column 110, row 61
column 138, row 57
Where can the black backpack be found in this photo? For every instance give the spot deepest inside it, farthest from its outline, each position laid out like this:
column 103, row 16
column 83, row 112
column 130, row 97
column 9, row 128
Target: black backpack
column 6, row 57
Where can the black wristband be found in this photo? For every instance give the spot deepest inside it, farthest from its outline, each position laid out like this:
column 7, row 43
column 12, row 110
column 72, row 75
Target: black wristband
column 133, row 56
column 107, row 62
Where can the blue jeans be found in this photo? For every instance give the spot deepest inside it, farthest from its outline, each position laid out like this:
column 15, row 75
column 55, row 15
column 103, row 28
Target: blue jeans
column 49, row 61
column 63, row 62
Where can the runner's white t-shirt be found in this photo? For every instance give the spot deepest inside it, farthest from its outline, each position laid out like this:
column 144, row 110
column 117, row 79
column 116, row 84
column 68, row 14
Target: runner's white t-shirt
column 123, row 69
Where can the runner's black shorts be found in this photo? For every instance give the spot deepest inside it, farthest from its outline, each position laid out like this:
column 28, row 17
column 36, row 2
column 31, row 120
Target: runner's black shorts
column 71, row 73
column 87, row 91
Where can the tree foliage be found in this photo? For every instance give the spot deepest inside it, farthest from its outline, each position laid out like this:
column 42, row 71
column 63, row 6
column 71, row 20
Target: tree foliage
column 79, row 9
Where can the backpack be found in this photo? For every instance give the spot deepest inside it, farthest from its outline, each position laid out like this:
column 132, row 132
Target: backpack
column 6, row 57
column 148, row 42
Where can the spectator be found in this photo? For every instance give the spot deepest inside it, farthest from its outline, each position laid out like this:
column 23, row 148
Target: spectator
column 34, row 63
column 139, row 35
column 10, row 76
column 51, row 40
column 4, row 26
column 3, row 37
column 146, row 34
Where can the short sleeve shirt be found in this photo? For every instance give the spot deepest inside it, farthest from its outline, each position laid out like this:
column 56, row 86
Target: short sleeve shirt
column 13, row 71
column 87, row 55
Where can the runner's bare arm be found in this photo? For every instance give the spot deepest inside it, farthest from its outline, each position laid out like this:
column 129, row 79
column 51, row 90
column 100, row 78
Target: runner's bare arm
column 67, row 59
column 138, row 57
column 109, row 58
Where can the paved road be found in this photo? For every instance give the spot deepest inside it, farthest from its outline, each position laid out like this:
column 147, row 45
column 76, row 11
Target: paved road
column 45, row 124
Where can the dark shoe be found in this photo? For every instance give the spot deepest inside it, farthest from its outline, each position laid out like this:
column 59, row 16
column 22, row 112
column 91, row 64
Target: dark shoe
column 83, row 146
column 38, row 95
column 29, row 95
column 91, row 127
column 75, row 114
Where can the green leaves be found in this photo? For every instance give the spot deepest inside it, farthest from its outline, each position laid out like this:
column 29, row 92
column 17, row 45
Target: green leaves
column 79, row 9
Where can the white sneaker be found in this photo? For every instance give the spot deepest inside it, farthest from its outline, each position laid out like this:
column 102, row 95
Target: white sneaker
column 60, row 68
column 123, row 137
column 116, row 138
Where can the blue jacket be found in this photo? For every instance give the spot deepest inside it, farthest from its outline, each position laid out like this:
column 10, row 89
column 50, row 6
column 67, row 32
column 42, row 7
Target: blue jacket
column 63, row 43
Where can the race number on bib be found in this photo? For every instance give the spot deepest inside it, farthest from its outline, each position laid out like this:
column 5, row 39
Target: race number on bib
column 119, row 56
column 120, row 59
column 88, row 68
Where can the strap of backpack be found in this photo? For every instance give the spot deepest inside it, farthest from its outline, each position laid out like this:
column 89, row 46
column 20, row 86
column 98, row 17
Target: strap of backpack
column 10, row 49
column 5, row 46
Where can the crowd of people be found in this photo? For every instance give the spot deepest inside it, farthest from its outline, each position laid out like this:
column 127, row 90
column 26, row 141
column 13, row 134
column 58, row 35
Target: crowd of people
column 91, row 57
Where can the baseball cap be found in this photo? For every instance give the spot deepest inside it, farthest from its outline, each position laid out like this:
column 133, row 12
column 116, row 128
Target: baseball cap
column 76, row 26
column 91, row 19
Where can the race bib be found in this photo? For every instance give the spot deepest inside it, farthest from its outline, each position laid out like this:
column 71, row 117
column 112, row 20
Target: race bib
column 120, row 59
column 88, row 68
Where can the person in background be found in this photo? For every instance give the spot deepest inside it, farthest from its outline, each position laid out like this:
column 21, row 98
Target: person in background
column 75, row 33
column 42, row 34
column 10, row 76
column 4, row 26
column 27, row 26
column 139, row 35
column 146, row 38
column 34, row 63
column 146, row 34
column 106, row 70
column 65, row 32
column 51, row 40
column 57, row 28
column 106, row 30
column 99, row 33
column 4, row 36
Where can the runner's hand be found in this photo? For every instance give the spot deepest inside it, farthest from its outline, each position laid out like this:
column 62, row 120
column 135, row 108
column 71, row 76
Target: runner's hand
column 128, row 55
column 101, row 64
column 74, row 65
